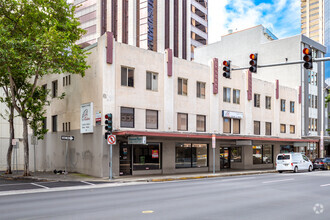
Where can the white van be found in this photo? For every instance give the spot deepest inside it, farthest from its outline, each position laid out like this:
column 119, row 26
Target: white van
column 293, row 162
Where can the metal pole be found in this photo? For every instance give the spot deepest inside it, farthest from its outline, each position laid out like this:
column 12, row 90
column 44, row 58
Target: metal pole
column 16, row 160
column 110, row 164
column 34, row 151
column 213, row 160
column 66, row 156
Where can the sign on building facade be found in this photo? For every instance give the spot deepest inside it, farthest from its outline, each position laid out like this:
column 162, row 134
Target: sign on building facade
column 86, row 118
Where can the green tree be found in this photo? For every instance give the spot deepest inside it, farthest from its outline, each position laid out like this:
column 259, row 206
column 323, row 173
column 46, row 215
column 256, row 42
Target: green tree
column 37, row 38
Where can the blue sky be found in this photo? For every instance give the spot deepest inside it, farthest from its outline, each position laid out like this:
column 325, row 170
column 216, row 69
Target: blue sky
column 282, row 17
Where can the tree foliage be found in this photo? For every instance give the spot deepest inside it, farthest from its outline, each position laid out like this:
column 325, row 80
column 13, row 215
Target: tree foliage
column 37, row 38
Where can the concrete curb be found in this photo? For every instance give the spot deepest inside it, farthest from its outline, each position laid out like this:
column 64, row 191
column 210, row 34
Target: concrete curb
column 209, row 176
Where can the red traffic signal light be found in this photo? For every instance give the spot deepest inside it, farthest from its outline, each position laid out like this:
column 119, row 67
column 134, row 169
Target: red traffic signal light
column 226, row 68
column 308, row 58
column 108, row 124
column 253, row 62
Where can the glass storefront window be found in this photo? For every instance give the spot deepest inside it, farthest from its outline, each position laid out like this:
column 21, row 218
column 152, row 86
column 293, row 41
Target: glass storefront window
column 190, row 155
column 286, row 148
column 146, row 157
column 262, row 154
column 236, row 154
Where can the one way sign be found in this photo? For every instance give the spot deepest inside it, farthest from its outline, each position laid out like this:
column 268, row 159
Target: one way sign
column 67, row 138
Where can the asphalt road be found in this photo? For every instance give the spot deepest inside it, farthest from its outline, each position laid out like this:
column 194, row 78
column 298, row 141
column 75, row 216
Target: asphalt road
column 268, row 196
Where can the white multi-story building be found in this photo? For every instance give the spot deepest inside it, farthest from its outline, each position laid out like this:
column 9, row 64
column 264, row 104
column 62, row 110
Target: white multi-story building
column 165, row 110
column 181, row 25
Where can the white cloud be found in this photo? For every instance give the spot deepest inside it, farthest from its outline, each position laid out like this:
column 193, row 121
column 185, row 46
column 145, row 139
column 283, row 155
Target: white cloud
column 282, row 17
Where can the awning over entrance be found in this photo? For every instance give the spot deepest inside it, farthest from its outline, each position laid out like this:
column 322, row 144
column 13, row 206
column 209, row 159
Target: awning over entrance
column 209, row 136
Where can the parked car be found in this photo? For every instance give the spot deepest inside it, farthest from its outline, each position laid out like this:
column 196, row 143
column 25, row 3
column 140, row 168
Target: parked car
column 293, row 162
column 321, row 163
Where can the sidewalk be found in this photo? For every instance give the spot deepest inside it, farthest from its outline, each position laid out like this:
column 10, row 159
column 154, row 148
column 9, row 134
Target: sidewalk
column 50, row 176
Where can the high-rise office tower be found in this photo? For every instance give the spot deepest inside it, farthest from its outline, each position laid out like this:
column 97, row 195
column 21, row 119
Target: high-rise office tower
column 315, row 24
column 181, row 25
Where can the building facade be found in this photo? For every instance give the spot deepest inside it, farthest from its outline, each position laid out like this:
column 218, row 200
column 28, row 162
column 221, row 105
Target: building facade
column 181, row 25
column 165, row 111
column 270, row 51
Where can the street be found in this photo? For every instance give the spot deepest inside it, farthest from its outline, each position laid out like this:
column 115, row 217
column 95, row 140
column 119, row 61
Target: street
column 267, row 196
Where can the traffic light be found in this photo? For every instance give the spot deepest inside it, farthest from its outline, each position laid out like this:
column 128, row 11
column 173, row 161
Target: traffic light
column 253, row 62
column 226, row 68
column 308, row 59
column 108, row 125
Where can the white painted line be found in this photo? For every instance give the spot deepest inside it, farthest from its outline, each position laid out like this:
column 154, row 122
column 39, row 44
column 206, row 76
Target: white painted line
column 92, row 184
column 69, row 188
column 275, row 181
column 45, row 187
column 325, row 185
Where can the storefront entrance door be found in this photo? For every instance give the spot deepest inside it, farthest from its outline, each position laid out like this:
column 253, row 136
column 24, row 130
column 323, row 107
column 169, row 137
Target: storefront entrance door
column 125, row 159
column 224, row 158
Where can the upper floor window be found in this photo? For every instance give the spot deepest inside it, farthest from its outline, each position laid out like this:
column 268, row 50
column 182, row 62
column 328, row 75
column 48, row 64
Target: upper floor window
column 257, row 100
column 268, row 102
column 126, row 117
column 282, row 105
column 182, row 122
column 152, row 81
column 182, row 86
column 292, row 107
column 201, row 90
column 54, row 88
column 226, row 125
column 283, row 128
column 268, row 128
column 226, row 94
column 127, row 76
column 66, row 80
column 292, row 129
column 151, row 119
column 236, row 96
column 256, row 127
column 201, row 123
column 54, row 123
column 236, row 126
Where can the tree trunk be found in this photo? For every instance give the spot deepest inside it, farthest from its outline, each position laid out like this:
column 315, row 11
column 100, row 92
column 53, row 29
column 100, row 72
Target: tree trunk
column 26, row 146
column 11, row 137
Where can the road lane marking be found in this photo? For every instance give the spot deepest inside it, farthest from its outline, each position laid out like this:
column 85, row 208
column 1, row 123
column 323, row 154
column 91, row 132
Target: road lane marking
column 147, row 212
column 275, row 181
column 325, row 185
column 92, row 184
column 45, row 187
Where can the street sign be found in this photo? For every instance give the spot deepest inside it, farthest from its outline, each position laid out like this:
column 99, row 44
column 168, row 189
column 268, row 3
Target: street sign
column 137, row 140
column 67, row 138
column 112, row 139
column 213, row 141
column 34, row 140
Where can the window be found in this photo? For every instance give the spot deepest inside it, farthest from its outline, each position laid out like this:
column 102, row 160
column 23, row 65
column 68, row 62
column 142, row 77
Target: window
column 226, row 94
column 201, row 123
column 283, row 128
column 201, row 90
column 146, row 157
column 151, row 119
column 268, row 128
column 257, row 100
column 268, row 102
column 54, row 123
column 236, row 96
column 54, row 88
column 226, row 125
column 63, row 81
column 182, row 122
column 127, row 76
column 257, row 127
column 236, row 154
column 292, row 107
column 282, row 105
column 152, row 81
column 236, row 126
column 182, row 86
column 44, row 123
column 262, row 154
column 44, row 88
column 292, row 129
column 190, row 155
column 126, row 117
